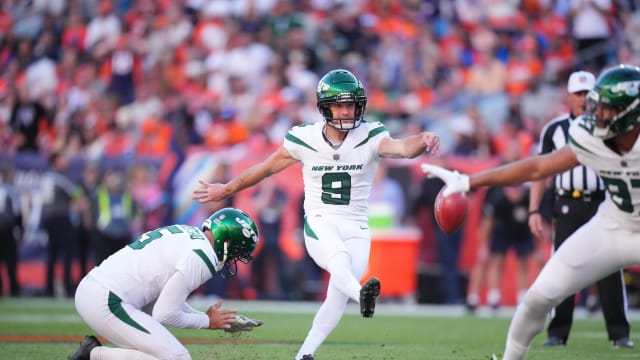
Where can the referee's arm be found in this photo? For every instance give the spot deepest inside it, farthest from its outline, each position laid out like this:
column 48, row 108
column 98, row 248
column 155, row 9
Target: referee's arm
column 535, row 198
column 536, row 192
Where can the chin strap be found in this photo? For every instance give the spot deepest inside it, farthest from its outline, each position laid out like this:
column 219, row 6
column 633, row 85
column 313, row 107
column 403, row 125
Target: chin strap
column 224, row 256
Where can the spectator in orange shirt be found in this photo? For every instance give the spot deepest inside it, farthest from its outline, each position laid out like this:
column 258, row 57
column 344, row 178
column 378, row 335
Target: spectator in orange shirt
column 512, row 129
column 74, row 32
column 523, row 66
column 155, row 138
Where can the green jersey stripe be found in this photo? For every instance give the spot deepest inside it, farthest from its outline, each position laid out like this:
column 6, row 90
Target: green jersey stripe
column 575, row 143
column 206, row 260
column 297, row 140
column 308, row 231
column 371, row 134
column 584, row 126
column 115, row 306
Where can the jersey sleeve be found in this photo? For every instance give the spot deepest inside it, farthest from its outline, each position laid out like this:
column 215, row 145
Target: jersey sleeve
column 170, row 307
column 377, row 132
column 582, row 143
column 294, row 141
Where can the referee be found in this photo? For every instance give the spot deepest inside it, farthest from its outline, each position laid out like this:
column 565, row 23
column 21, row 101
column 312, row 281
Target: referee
column 579, row 191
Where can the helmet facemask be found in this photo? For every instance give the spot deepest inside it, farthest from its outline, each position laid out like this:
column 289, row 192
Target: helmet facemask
column 343, row 124
column 228, row 263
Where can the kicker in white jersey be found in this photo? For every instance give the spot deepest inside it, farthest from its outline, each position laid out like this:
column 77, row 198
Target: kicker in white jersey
column 337, row 180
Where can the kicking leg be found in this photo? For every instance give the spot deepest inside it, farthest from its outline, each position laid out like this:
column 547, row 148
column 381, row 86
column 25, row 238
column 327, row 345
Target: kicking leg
column 326, row 319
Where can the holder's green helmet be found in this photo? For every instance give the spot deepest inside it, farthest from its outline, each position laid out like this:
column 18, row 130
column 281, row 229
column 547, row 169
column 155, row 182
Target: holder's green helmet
column 339, row 86
column 235, row 237
column 617, row 95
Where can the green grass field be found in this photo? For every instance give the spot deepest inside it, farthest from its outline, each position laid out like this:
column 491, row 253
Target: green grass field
column 39, row 329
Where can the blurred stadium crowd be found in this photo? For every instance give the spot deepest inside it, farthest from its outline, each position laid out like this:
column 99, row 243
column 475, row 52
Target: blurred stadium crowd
column 129, row 102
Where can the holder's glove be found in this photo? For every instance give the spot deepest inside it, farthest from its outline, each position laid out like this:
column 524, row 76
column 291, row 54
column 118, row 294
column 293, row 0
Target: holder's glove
column 243, row 323
column 454, row 181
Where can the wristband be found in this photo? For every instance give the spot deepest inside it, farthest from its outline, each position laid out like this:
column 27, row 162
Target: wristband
column 534, row 212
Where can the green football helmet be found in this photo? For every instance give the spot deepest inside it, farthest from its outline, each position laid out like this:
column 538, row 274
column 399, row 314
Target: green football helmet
column 613, row 106
column 339, row 86
column 235, row 237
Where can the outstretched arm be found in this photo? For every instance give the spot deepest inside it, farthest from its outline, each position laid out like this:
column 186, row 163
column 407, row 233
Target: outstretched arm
column 533, row 168
column 409, row 147
column 275, row 163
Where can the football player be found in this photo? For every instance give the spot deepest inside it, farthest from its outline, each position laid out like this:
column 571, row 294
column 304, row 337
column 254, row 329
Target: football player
column 605, row 139
column 339, row 158
column 133, row 294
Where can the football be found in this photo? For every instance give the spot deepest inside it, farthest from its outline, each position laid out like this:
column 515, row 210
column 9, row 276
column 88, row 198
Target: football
column 450, row 211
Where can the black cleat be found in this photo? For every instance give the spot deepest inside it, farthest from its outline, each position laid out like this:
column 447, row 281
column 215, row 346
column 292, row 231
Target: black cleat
column 554, row 341
column 623, row 343
column 308, row 357
column 368, row 294
column 85, row 348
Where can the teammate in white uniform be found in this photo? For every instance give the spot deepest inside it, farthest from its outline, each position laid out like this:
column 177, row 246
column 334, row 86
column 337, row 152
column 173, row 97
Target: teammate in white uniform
column 133, row 294
column 339, row 160
column 606, row 139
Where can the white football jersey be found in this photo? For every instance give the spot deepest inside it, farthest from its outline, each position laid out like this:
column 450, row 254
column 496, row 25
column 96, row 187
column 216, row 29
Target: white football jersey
column 620, row 174
column 138, row 272
column 337, row 181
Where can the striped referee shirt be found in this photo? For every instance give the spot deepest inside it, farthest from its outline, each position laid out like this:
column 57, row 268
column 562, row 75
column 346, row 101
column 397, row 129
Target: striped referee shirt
column 553, row 137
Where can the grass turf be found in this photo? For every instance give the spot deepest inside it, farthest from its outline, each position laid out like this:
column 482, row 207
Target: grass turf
column 37, row 329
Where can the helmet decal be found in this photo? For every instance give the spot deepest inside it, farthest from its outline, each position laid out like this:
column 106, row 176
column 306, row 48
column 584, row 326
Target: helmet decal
column 613, row 106
column 322, row 86
column 630, row 88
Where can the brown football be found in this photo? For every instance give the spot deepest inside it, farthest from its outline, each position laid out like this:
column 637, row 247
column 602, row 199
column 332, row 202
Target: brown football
column 450, row 211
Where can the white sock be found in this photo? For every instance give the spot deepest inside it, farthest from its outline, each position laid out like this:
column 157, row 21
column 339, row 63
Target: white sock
column 473, row 299
column 326, row 319
column 527, row 322
column 493, row 297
